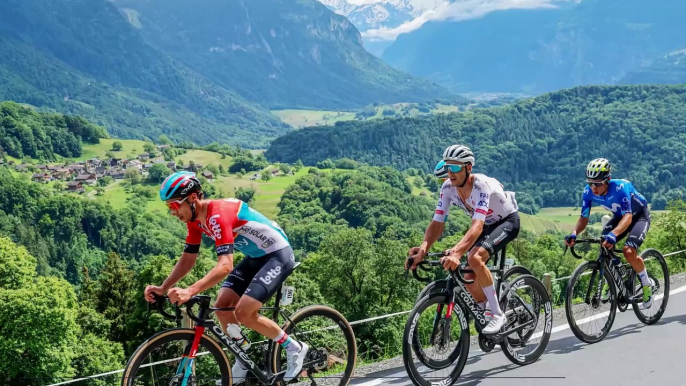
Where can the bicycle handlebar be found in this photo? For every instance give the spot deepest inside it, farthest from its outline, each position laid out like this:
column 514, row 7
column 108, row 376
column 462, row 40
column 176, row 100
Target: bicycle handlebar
column 434, row 263
column 160, row 300
column 593, row 240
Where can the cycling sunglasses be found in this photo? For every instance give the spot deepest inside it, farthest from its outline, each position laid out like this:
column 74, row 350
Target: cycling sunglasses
column 596, row 184
column 175, row 205
column 453, row 168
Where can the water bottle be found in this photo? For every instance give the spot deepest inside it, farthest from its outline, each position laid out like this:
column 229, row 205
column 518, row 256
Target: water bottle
column 615, row 261
column 236, row 334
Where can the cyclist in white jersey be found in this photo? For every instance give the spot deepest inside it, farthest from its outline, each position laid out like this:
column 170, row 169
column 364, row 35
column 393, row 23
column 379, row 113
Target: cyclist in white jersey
column 495, row 222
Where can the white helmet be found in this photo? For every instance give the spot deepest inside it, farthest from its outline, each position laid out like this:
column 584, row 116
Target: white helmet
column 459, row 153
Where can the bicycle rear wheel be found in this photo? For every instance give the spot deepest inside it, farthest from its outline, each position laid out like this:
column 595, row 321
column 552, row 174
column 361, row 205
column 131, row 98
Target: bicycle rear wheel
column 333, row 349
column 528, row 304
column 659, row 273
column 161, row 359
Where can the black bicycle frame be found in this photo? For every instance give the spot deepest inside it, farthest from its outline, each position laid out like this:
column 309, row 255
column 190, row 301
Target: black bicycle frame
column 605, row 262
column 202, row 322
column 455, row 288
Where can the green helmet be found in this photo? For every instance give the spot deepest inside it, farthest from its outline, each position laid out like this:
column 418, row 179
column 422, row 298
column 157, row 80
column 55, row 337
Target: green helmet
column 598, row 169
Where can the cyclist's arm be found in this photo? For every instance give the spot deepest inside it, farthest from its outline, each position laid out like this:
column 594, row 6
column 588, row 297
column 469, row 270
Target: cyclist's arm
column 216, row 275
column 437, row 225
column 181, row 269
column 433, row 232
column 188, row 257
column 582, row 223
column 221, row 223
column 469, row 238
column 624, row 224
column 627, row 216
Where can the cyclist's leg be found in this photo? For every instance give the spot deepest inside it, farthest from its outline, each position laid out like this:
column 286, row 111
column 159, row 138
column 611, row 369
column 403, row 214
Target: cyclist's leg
column 476, row 288
column 234, row 286
column 637, row 232
column 504, row 232
column 264, row 285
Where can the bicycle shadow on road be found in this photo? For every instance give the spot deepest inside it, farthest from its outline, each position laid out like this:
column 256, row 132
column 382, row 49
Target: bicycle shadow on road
column 571, row 344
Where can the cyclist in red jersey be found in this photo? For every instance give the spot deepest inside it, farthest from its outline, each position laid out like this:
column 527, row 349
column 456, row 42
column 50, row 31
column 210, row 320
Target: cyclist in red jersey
column 231, row 223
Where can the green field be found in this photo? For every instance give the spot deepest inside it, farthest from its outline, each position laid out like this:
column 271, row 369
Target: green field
column 537, row 224
column 204, row 158
column 303, row 118
column 130, row 148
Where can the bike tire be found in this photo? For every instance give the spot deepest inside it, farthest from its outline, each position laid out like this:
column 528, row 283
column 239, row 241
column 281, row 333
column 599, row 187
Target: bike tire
column 409, row 342
column 542, row 297
column 569, row 302
column 665, row 288
column 181, row 335
column 275, row 350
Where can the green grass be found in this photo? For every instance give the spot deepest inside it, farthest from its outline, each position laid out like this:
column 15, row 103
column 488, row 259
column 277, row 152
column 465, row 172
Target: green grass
column 303, row 118
column 130, row 148
column 204, row 158
column 267, row 194
column 536, row 224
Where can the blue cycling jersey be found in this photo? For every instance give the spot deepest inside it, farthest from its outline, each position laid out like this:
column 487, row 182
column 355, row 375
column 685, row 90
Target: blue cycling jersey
column 621, row 198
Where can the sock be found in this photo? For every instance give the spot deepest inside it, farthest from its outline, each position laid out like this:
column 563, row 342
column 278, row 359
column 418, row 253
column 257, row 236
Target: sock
column 645, row 280
column 286, row 342
column 492, row 300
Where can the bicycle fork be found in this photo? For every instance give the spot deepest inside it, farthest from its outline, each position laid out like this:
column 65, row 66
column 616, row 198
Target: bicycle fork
column 186, row 366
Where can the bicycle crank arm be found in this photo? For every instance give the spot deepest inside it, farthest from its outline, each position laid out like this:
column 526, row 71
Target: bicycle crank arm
column 516, row 329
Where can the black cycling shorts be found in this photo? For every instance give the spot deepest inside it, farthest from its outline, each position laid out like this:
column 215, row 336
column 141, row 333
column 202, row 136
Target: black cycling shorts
column 260, row 277
column 640, row 223
column 494, row 237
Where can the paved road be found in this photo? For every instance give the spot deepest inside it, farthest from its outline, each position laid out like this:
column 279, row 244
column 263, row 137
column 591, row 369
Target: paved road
column 632, row 354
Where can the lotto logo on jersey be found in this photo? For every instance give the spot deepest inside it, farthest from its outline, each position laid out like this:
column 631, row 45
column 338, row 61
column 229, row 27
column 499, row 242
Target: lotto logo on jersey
column 481, row 211
column 439, row 211
column 271, row 275
column 216, row 228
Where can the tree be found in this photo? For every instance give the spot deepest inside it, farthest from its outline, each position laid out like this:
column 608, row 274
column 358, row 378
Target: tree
column 212, row 168
column 116, row 146
column 285, row 168
column 158, row 172
column 164, row 140
column 133, row 176
column 222, row 171
column 149, row 147
column 104, row 181
column 245, row 194
column 115, row 297
column 266, row 176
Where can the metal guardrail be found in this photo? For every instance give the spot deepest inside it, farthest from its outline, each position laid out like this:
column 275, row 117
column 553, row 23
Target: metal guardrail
column 547, row 282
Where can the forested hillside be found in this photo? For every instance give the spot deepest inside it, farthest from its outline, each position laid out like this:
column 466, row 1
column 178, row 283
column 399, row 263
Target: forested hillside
column 24, row 132
column 82, row 57
column 538, row 147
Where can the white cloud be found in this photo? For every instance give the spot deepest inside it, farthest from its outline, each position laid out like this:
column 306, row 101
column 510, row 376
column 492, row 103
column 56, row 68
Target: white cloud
column 455, row 11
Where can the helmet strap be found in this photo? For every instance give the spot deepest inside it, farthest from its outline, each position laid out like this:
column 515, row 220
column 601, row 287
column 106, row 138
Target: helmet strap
column 466, row 178
column 192, row 211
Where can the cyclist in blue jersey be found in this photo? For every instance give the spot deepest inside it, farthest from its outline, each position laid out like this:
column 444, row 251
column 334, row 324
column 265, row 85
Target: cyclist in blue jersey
column 630, row 217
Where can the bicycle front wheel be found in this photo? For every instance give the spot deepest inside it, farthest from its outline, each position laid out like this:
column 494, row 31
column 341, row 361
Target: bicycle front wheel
column 163, row 360
column 332, row 347
column 435, row 334
column 591, row 303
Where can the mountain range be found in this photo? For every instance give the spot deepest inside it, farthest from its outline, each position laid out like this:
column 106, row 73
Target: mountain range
column 533, row 51
column 201, row 71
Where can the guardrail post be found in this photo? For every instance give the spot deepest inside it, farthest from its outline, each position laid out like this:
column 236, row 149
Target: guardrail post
column 548, row 283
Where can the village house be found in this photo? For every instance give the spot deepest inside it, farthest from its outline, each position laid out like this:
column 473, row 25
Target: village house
column 41, row 177
column 75, row 186
column 89, row 179
column 208, row 175
column 143, row 157
column 23, row 168
column 113, row 162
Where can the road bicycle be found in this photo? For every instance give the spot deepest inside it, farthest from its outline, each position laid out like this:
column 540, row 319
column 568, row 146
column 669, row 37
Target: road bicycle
column 196, row 356
column 615, row 286
column 450, row 306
